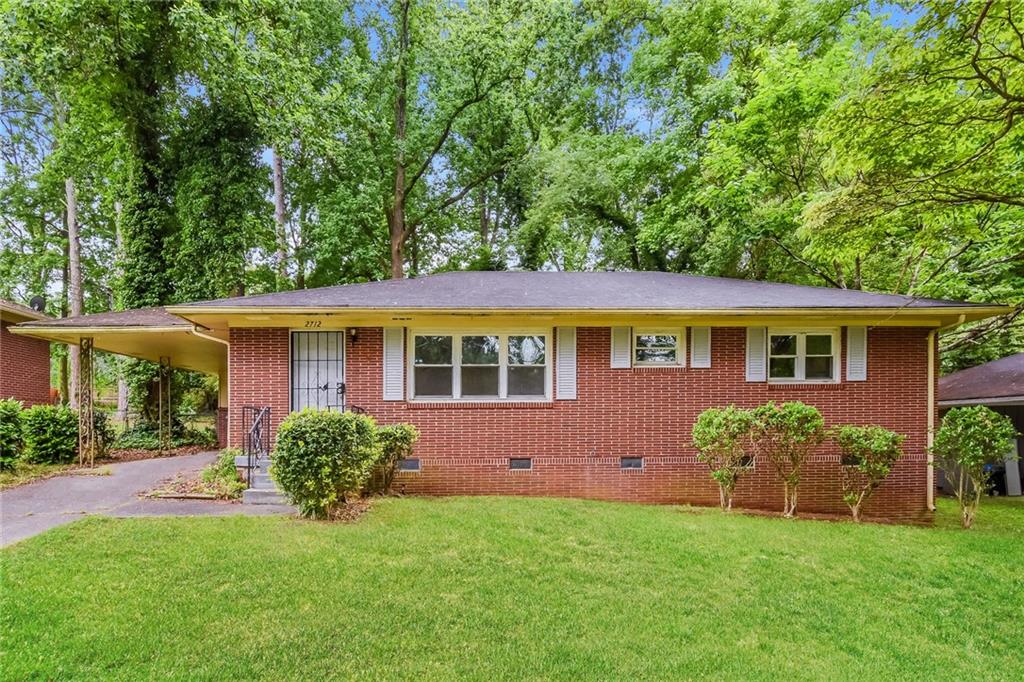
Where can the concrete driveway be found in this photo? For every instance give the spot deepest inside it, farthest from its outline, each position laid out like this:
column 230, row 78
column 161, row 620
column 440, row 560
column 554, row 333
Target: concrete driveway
column 31, row 509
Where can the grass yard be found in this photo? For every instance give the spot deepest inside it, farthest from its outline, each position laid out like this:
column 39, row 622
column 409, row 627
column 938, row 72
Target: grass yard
column 512, row 588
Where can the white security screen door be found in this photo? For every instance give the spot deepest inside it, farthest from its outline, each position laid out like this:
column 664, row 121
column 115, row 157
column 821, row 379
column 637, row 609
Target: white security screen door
column 318, row 370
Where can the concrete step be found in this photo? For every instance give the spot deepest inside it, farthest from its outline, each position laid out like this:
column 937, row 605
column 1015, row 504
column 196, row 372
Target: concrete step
column 263, row 465
column 261, row 481
column 254, row 496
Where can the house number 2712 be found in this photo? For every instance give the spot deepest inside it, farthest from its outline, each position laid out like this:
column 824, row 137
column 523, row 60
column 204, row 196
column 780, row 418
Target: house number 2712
column 313, row 324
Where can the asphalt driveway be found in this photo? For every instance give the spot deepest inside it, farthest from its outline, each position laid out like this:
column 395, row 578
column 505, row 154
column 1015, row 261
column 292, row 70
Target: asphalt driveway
column 31, row 509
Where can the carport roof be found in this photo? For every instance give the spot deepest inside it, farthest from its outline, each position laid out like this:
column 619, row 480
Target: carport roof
column 999, row 381
column 145, row 333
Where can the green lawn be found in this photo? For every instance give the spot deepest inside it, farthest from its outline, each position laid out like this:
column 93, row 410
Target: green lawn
column 517, row 588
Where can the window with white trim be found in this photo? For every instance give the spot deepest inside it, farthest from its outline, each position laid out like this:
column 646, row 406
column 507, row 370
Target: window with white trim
column 796, row 355
column 480, row 366
column 652, row 348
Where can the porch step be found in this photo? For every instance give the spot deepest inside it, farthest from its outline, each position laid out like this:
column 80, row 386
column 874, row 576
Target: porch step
column 256, row 496
column 263, row 490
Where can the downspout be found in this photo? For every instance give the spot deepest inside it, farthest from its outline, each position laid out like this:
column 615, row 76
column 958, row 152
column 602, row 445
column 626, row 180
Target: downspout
column 932, row 335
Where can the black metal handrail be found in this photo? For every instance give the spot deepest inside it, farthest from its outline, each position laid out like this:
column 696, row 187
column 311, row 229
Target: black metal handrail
column 256, row 421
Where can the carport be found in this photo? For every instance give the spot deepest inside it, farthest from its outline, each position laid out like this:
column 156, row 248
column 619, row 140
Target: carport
column 147, row 334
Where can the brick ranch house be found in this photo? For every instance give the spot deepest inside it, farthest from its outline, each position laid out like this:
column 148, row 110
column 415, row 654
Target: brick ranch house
column 24, row 361
column 567, row 384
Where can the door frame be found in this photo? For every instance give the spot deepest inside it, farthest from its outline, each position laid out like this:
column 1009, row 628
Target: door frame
column 343, row 331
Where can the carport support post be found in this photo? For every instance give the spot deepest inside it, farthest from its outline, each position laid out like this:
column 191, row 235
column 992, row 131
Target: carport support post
column 86, row 416
column 164, row 403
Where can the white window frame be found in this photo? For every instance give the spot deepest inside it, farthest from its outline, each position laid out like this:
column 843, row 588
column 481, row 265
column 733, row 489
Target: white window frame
column 801, row 354
column 678, row 332
column 503, row 365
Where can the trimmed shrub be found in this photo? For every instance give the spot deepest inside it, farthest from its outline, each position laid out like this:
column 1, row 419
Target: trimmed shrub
column 51, row 434
column 785, row 434
column 11, row 439
column 322, row 457
column 868, row 454
column 969, row 440
column 396, row 441
column 721, row 436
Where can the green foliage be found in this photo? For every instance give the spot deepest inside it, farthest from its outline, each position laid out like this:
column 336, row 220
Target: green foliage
column 967, row 442
column 785, row 434
column 321, row 457
column 221, row 477
column 11, row 439
column 51, row 434
column 721, row 436
column 396, row 441
column 868, row 454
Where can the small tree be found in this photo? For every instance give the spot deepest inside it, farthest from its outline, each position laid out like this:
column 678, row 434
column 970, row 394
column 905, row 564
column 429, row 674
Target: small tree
column 720, row 435
column 785, row 434
column 868, row 453
column 969, row 440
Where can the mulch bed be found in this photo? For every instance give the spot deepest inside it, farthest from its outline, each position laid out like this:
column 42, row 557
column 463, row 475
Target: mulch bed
column 136, row 454
column 350, row 512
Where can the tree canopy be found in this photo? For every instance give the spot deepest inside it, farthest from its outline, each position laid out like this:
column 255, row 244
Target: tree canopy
column 237, row 147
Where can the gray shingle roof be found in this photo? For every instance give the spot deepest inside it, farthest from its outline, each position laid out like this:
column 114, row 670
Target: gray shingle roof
column 1003, row 378
column 142, row 317
column 576, row 291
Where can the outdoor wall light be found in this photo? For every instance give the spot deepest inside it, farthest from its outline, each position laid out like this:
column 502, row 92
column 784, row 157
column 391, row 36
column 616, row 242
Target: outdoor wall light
column 353, row 335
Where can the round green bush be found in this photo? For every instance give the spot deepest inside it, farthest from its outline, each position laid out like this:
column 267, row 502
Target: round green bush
column 11, row 439
column 396, row 441
column 320, row 457
column 51, row 434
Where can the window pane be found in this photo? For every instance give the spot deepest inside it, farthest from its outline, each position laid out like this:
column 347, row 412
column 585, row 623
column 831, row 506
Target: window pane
column 526, row 381
column 479, row 350
column 819, row 344
column 783, row 345
column 656, row 355
column 434, row 381
column 818, row 368
column 433, row 350
column 479, row 381
column 526, row 350
column 655, row 341
column 782, row 368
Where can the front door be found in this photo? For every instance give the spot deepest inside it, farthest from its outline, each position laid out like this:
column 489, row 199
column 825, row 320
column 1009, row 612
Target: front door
column 318, row 370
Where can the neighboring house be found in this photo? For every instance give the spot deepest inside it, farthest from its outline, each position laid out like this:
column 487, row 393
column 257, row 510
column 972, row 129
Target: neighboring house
column 24, row 361
column 999, row 385
column 569, row 384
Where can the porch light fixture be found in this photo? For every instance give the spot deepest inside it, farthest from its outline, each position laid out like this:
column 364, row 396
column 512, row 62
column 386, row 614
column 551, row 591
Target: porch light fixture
column 353, row 335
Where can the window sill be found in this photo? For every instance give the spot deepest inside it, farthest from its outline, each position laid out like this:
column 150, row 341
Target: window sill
column 479, row 404
column 657, row 368
column 805, row 386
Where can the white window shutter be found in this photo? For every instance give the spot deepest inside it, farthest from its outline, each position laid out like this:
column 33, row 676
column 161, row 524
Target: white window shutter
column 394, row 363
column 757, row 352
column 621, row 347
column 856, row 353
column 565, row 364
column 700, row 350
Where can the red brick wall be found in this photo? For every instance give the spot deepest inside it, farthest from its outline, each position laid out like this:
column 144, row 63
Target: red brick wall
column 24, row 368
column 576, row 445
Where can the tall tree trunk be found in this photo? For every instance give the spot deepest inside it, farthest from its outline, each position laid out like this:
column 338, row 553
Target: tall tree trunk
column 74, row 280
column 63, row 366
column 396, row 214
column 122, row 385
column 280, row 219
